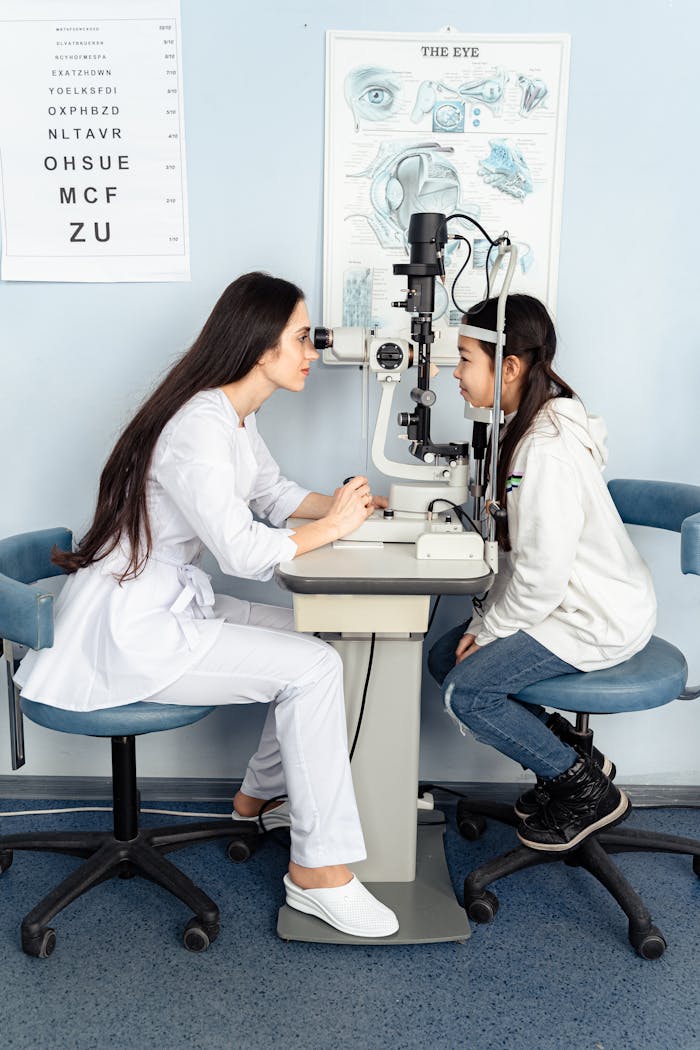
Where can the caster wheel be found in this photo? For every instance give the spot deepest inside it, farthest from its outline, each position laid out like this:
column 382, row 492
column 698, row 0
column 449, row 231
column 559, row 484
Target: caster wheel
column 199, row 935
column 696, row 865
column 650, row 945
column 6, row 856
column 482, row 909
column 241, row 850
column 40, row 946
column 470, row 825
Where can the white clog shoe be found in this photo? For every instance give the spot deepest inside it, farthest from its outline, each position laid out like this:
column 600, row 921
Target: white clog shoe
column 271, row 818
column 350, row 908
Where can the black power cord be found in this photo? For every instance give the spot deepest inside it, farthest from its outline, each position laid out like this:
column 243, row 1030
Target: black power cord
column 461, row 514
column 459, row 237
column 364, row 696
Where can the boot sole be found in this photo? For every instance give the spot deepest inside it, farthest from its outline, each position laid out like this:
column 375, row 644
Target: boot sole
column 621, row 811
column 521, row 814
column 608, row 768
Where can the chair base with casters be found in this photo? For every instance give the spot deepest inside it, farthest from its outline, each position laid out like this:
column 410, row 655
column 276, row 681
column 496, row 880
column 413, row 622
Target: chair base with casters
column 653, row 677
column 128, row 850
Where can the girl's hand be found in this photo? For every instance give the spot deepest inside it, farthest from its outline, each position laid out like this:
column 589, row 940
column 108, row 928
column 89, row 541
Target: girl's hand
column 380, row 502
column 467, row 645
column 352, row 504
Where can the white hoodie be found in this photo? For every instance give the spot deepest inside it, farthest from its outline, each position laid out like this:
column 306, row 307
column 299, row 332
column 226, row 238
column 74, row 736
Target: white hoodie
column 572, row 580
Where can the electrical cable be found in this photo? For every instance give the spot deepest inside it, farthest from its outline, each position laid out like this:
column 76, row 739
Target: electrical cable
column 432, row 615
column 364, row 696
column 492, row 244
column 109, row 809
column 267, row 804
column 461, row 514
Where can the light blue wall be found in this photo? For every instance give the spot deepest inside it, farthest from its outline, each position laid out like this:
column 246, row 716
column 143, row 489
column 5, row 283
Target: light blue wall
column 77, row 359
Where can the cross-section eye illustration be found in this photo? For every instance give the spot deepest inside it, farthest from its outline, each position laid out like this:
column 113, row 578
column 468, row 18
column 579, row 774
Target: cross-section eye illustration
column 408, row 178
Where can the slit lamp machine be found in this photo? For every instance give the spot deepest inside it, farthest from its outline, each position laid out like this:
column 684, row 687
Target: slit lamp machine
column 442, row 474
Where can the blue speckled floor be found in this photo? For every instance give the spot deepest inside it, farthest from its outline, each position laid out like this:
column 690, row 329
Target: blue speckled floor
column 553, row 972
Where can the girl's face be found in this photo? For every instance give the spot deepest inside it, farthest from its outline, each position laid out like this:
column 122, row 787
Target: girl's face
column 286, row 365
column 475, row 373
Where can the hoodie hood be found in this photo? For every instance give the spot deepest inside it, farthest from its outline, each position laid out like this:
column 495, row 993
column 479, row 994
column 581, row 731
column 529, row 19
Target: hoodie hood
column 569, row 416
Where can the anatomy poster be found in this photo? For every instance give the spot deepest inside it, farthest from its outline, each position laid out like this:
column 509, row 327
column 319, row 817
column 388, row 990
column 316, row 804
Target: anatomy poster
column 446, row 123
column 92, row 149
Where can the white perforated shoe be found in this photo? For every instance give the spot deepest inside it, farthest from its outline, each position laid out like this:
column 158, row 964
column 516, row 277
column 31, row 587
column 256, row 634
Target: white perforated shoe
column 271, row 818
column 350, row 908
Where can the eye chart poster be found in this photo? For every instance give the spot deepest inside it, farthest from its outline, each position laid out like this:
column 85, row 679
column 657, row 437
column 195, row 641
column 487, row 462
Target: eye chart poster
column 441, row 122
column 92, row 145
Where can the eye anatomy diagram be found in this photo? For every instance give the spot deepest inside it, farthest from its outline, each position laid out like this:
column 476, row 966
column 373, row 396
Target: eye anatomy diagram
column 469, row 126
column 428, row 95
column 506, row 169
column 412, row 178
column 488, row 91
column 447, row 104
column 448, row 116
column 372, row 93
column 534, row 92
column 357, row 297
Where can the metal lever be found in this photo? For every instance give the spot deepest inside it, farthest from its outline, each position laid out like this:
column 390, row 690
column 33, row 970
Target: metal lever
column 14, row 707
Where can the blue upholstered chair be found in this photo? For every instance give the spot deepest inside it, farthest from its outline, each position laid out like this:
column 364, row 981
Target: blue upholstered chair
column 655, row 676
column 26, row 618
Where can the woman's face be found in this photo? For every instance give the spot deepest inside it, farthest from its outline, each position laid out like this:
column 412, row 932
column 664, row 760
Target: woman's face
column 287, row 365
column 475, row 373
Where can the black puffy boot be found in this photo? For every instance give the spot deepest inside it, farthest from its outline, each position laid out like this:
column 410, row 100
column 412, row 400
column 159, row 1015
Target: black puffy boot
column 535, row 797
column 580, row 801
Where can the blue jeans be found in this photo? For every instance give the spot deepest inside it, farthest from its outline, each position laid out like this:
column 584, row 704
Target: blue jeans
column 476, row 694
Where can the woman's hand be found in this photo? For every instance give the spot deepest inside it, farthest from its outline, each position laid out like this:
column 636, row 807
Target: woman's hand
column 380, row 502
column 467, row 645
column 334, row 516
column 352, row 504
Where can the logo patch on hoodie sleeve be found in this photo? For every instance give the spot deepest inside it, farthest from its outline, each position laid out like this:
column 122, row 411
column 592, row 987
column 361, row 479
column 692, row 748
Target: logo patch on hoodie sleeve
column 513, row 482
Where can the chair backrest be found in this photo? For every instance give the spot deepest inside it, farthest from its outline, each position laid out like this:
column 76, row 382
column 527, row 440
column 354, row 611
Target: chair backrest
column 663, row 505
column 26, row 614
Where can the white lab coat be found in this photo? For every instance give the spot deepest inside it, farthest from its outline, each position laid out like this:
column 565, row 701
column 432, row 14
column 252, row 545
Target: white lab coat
column 116, row 643
column 165, row 637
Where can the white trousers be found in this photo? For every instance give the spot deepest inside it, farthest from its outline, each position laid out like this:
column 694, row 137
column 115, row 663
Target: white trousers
column 303, row 750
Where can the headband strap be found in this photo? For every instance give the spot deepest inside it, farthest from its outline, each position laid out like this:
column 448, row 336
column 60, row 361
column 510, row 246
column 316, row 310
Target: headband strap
column 484, row 334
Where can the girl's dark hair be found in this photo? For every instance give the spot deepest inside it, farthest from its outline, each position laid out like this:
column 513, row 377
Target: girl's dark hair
column 247, row 320
column 530, row 336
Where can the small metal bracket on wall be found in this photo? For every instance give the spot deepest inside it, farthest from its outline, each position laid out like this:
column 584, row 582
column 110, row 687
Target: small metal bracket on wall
column 14, row 707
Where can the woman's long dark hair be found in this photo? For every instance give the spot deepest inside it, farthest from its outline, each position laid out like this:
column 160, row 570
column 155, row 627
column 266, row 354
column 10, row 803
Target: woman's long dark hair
column 247, row 320
column 530, row 336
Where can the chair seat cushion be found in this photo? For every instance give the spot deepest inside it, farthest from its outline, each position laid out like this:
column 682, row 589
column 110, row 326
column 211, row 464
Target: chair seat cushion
column 651, row 678
column 129, row 720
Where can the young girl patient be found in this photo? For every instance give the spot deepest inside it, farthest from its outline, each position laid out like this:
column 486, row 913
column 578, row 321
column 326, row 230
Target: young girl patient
column 572, row 593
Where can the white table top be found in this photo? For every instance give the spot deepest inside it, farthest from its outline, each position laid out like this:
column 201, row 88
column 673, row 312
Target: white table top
column 391, row 569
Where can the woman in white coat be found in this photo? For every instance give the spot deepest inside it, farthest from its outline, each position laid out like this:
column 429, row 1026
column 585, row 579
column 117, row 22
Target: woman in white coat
column 138, row 620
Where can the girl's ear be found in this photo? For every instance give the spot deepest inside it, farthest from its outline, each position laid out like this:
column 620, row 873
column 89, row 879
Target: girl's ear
column 512, row 368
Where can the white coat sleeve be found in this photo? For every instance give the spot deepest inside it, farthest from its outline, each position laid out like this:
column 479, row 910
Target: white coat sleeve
column 197, row 471
column 273, row 496
column 550, row 520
